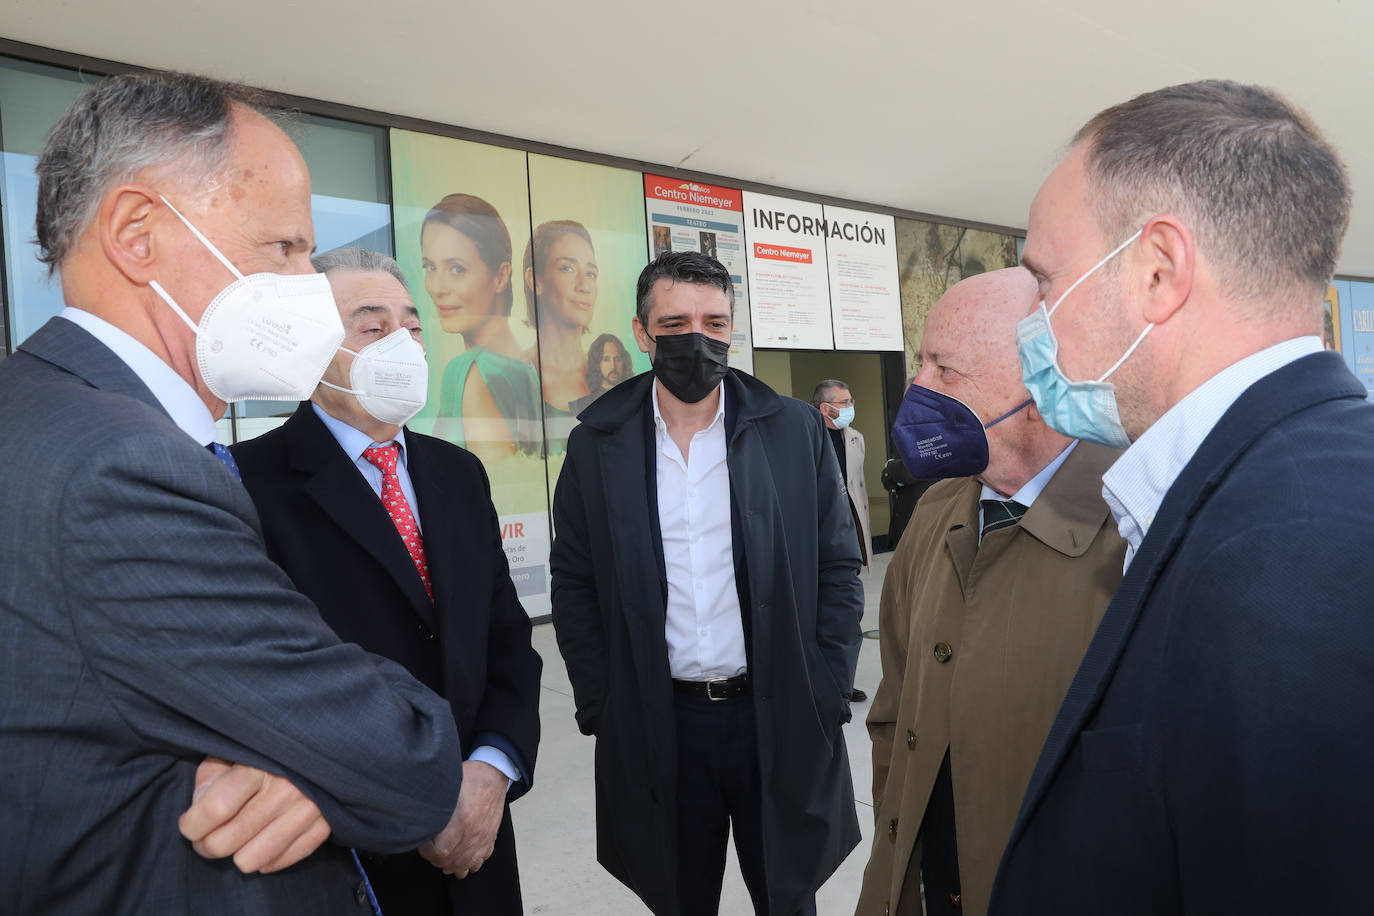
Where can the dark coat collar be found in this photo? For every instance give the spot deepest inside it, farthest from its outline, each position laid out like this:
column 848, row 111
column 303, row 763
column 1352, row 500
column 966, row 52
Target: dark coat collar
column 747, row 399
column 73, row 349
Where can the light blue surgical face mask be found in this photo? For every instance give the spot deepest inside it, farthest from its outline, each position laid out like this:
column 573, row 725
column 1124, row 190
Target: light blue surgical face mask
column 1079, row 410
column 843, row 418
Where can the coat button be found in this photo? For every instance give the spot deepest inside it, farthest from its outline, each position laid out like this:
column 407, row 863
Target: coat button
column 910, row 739
column 943, row 652
column 892, row 830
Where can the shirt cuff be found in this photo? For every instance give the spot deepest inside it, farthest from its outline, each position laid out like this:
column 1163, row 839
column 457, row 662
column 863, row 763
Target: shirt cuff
column 497, row 758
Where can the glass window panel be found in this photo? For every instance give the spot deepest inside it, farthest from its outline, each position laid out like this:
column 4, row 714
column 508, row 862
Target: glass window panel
column 32, row 98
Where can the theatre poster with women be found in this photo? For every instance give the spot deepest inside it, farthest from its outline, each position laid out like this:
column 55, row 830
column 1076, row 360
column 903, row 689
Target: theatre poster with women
column 462, row 224
column 693, row 216
column 578, row 279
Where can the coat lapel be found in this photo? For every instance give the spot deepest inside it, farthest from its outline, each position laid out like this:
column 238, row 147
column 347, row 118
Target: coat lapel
column 623, row 456
column 338, row 488
column 1072, row 516
column 961, row 540
column 440, row 512
column 1299, row 385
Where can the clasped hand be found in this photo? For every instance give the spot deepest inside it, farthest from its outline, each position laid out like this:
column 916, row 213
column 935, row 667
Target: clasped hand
column 467, row 842
column 262, row 820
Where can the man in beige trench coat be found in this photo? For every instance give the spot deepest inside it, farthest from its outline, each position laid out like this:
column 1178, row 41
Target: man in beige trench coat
column 985, row 615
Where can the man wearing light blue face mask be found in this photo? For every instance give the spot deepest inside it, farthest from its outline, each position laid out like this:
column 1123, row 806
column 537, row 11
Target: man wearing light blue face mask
column 1211, row 755
column 835, row 401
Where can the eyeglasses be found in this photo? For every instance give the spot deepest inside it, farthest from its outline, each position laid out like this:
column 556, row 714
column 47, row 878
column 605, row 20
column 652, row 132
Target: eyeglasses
column 847, row 402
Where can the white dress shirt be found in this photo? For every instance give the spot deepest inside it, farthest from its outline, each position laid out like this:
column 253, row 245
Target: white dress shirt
column 354, row 442
column 704, row 630
column 1136, row 484
column 1028, row 493
column 173, row 392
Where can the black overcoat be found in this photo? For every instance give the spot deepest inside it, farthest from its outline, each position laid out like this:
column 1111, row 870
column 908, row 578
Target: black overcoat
column 327, row 529
column 795, row 536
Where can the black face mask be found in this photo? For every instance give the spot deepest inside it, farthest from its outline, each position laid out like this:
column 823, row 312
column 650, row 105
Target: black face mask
column 690, row 365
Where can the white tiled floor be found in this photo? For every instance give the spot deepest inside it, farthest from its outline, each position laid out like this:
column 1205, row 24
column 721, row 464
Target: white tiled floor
column 554, row 824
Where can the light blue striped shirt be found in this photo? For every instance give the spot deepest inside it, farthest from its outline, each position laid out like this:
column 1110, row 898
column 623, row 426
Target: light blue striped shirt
column 1136, row 484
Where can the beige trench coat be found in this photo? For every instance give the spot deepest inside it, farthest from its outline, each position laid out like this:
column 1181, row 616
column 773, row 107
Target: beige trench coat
column 979, row 644
column 857, row 488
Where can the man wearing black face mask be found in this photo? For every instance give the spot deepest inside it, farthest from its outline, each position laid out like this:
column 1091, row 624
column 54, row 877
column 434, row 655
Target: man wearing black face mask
column 706, row 600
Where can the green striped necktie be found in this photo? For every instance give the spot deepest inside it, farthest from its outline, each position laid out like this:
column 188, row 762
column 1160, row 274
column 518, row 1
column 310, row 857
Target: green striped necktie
column 1000, row 513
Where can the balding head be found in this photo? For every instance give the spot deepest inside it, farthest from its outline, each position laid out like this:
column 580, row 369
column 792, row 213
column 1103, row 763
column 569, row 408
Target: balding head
column 976, row 319
column 968, row 351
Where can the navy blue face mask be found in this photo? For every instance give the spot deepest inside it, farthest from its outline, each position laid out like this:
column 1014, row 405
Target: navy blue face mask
column 938, row 436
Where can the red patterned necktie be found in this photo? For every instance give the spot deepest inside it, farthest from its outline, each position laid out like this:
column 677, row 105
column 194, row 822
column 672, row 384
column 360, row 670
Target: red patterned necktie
column 384, row 457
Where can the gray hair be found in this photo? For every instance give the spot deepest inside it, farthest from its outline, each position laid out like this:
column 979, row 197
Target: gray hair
column 121, row 126
column 1264, row 194
column 359, row 259
column 823, row 389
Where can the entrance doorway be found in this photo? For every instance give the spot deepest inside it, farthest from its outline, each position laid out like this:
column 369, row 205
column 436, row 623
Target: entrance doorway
column 877, row 383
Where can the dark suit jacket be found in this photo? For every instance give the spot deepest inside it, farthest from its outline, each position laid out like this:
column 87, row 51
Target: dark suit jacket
column 326, row 527
column 142, row 627
column 1213, row 752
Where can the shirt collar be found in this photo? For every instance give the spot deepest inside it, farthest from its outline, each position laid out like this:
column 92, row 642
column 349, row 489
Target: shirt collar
column 658, row 415
column 354, row 441
column 1031, row 490
column 1135, row 486
column 176, row 396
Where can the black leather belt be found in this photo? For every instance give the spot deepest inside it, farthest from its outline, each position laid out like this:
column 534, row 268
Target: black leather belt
column 721, row 689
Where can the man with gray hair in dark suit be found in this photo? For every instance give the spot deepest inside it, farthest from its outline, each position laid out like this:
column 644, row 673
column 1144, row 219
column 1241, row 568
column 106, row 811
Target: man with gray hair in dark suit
column 142, row 625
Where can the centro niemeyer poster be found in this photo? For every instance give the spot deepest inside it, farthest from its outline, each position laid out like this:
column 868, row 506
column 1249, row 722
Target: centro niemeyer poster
column 789, row 292
column 692, row 216
column 462, row 223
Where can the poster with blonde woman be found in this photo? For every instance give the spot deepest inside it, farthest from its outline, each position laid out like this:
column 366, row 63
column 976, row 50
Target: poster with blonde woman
column 560, row 296
column 580, row 267
column 462, row 222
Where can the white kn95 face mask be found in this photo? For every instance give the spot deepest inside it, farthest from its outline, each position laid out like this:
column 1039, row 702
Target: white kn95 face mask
column 390, row 377
column 265, row 336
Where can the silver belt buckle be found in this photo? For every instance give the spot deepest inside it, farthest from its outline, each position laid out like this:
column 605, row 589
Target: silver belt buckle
column 710, row 695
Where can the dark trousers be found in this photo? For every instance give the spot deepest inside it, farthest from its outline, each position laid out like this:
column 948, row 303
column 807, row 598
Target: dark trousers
column 407, row 885
column 717, row 788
